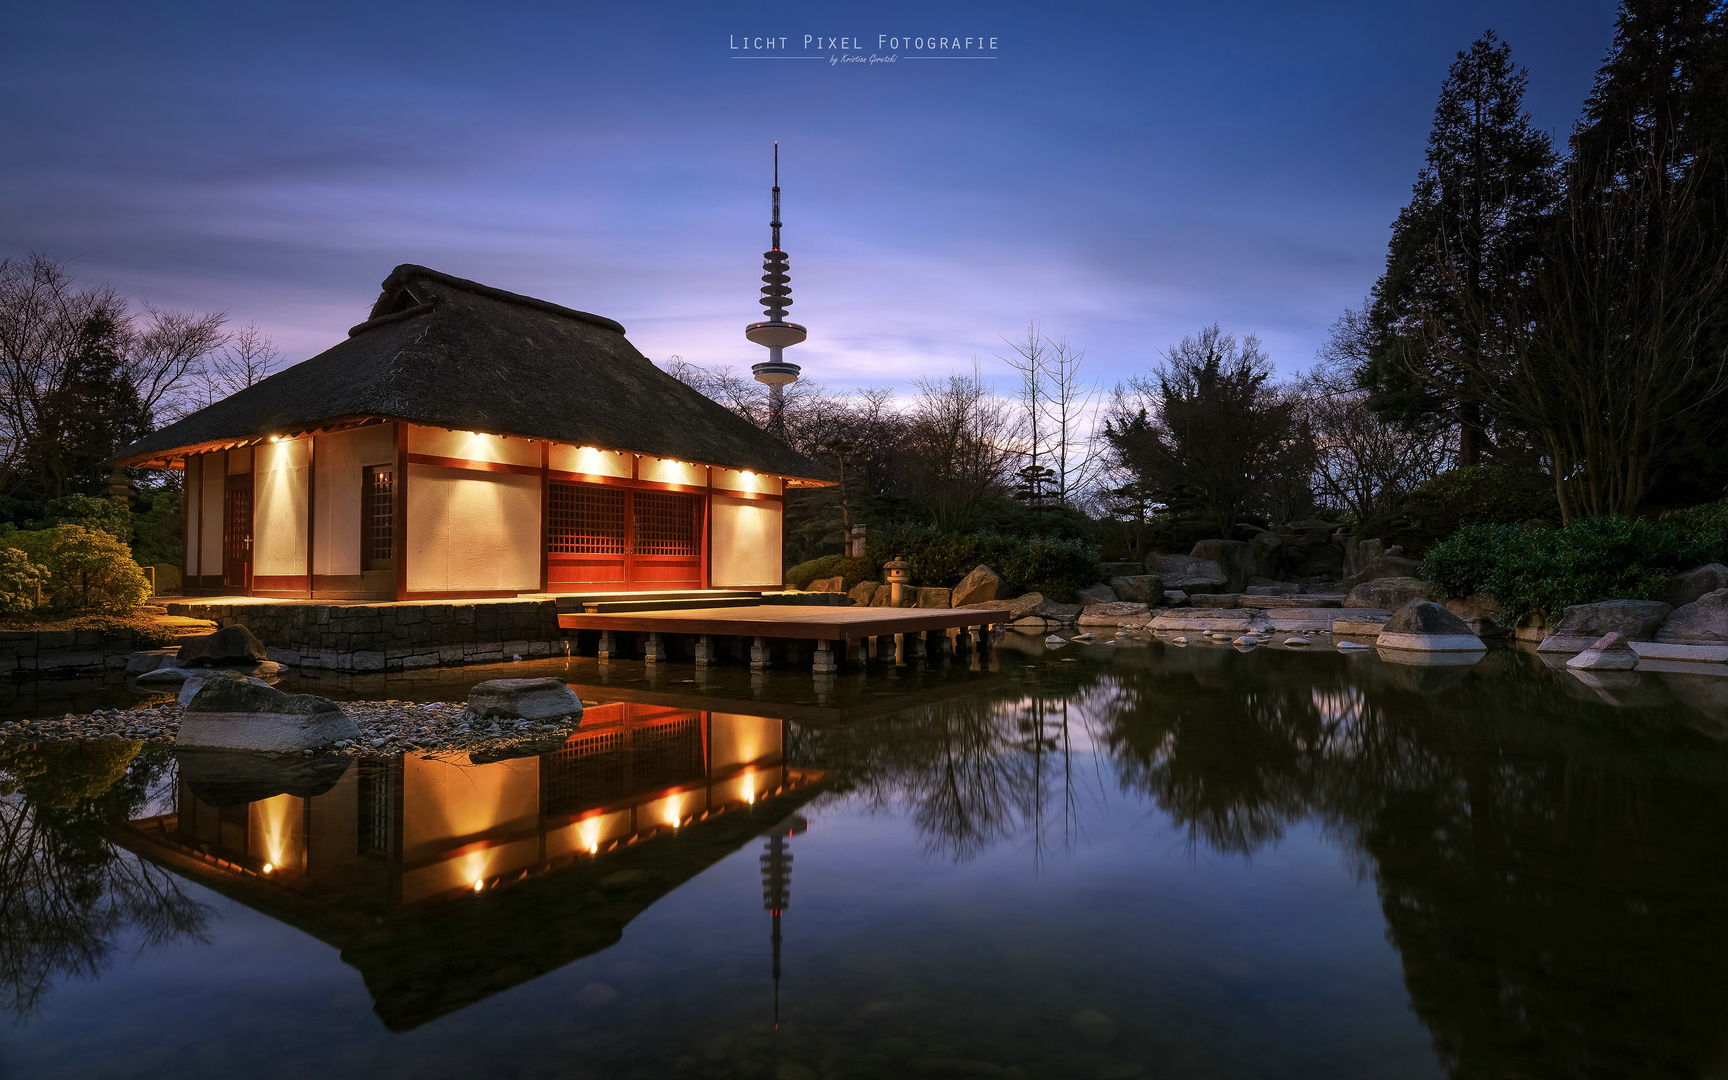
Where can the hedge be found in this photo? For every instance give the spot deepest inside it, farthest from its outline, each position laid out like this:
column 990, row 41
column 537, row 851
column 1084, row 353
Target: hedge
column 1529, row 570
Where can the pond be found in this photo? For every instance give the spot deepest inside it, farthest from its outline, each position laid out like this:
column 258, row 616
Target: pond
column 1085, row 862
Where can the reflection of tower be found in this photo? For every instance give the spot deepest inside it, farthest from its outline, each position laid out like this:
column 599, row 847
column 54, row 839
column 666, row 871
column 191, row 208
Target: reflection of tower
column 777, row 887
column 776, row 333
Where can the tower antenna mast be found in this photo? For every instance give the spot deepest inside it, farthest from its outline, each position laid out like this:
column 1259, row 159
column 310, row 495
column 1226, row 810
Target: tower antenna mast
column 775, row 333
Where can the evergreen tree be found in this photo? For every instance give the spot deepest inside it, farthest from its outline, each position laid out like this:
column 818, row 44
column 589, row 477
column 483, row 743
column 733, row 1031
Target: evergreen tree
column 1660, row 102
column 95, row 410
column 1475, row 209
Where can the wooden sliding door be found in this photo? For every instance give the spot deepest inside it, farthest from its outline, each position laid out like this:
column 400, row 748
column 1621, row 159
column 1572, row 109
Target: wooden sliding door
column 623, row 538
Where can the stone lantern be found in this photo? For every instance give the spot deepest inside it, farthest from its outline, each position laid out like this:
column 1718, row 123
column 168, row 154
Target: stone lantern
column 898, row 577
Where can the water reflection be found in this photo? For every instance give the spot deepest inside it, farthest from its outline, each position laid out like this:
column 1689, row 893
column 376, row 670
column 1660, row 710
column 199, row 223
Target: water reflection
column 66, row 899
column 444, row 882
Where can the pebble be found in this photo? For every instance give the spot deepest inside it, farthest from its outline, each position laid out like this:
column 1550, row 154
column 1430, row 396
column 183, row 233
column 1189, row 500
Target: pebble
column 386, row 727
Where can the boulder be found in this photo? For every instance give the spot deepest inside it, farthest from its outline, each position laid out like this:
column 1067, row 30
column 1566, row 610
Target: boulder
column 235, row 778
column 1018, row 608
column 1050, row 609
column 828, row 584
column 1392, row 593
column 933, row 598
column 1112, row 614
column 1185, row 566
column 195, row 679
column 1361, row 622
column 1481, row 613
column 1702, row 622
column 1235, row 559
column 1231, row 621
column 977, row 587
column 231, row 714
column 1424, row 626
column 1684, row 588
column 1138, row 588
column 864, row 592
column 230, row 645
column 1582, row 624
column 1300, row 619
column 526, row 699
column 151, row 659
column 1610, row 652
column 1175, row 597
column 1215, row 600
column 882, row 597
column 1258, row 586
column 1384, row 566
column 1098, row 593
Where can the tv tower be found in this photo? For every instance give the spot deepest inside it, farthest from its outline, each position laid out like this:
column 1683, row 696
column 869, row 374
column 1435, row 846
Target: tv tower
column 776, row 333
column 777, row 887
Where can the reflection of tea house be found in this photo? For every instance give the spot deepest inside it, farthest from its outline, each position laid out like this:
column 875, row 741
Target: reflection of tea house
column 406, row 863
column 467, row 442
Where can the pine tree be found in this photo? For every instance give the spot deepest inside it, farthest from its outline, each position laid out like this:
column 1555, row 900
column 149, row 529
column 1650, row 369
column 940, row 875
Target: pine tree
column 1475, row 209
column 95, row 410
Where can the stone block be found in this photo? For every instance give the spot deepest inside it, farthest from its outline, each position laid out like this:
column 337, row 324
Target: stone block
column 1216, row 600
column 1138, row 588
column 527, row 699
column 1391, row 593
column 1610, row 652
column 1692, row 585
column 1098, row 593
column 1114, row 613
column 1702, row 622
column 978, row 587
column 230, row 714
column 933, row 598
column 1425, row 626
column 1582, row 624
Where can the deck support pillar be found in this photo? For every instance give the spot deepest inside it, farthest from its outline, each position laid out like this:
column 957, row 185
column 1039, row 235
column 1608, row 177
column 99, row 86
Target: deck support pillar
column 914, row 642
column 938, row 643
column 824, row 662
column 885, row 649
column 759, row 658
column 858, row 651
column 962, row 641
column 608, row 645
column 654, row 649
column 704, row 650
column 984, row 638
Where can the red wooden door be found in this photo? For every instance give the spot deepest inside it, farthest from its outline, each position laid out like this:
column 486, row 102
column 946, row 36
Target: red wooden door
column 237, row 533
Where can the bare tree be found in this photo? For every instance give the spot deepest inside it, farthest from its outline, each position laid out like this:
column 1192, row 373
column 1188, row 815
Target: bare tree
column 1028, row 359
column 248, row 356
column 1070, row 407
column 959, row 446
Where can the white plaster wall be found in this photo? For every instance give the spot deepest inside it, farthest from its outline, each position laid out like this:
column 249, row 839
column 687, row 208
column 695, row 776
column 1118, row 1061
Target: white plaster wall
column 189, row 480
column 736, row 739
column 279, row 508
column 470, row 531
column 340, row 459
column 586, row 459
column 473, row 446
column 215, row 476
column 737, row 480
column 745, row 545
column 666, row 471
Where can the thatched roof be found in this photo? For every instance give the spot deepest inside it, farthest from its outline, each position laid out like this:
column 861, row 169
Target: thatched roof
column 441, row 351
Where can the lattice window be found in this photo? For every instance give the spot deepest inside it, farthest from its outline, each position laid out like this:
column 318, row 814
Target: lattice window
column 666, row 524
column 605, row 766
column 377, row 808
column 585, row 520
column 378, row 542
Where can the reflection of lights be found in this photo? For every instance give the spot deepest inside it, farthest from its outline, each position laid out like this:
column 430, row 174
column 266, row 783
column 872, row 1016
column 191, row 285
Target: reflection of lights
column 590, row 834
column 750, row 788
column 479, row 884
column 274, row 824
column 673, row 805
column 269, row 867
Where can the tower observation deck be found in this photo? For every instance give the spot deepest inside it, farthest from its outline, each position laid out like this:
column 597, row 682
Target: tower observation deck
column 775, row 333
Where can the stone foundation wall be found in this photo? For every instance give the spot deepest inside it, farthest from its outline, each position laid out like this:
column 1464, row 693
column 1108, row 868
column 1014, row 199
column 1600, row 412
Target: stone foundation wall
column 27, row 653
column 392, row 636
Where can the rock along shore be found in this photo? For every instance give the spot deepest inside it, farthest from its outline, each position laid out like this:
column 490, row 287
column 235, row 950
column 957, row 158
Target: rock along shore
column 386, row 727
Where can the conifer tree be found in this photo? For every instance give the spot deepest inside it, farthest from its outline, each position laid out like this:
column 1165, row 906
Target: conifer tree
column 1477, row 204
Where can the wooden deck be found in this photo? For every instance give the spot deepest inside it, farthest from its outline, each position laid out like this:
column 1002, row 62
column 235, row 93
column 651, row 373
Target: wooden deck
column 843, row 624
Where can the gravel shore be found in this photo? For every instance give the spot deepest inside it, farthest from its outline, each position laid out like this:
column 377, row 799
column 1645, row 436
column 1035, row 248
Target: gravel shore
column 386, row 727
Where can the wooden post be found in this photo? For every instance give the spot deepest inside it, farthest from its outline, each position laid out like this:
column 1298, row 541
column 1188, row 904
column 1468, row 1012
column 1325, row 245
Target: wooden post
column 311, row 509
column 202, row 460
column 399, row 532
column 545, row 506
column 251, row 524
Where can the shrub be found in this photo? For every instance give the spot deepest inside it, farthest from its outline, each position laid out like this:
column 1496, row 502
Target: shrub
column 1546, row 570
column 1055, row 567
column 852, row 568
column 160, row 531
column 1471, row 495
column 21, row 581
column 88, row 569
column 91, row 513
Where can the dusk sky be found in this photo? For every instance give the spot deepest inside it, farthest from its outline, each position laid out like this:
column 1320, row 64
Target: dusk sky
column 1124, row 174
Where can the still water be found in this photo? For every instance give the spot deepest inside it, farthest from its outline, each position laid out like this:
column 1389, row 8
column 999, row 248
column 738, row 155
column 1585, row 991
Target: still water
column 1077, row 863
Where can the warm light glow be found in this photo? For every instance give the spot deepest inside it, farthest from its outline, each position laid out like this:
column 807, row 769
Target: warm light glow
column 750, row 788
column 273, row 823
column 478, row 885
column 589, row 831
column 673, row 806
column 268, row 867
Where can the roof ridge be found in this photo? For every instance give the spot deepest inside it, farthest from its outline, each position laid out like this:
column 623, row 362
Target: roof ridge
column 407, row 270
